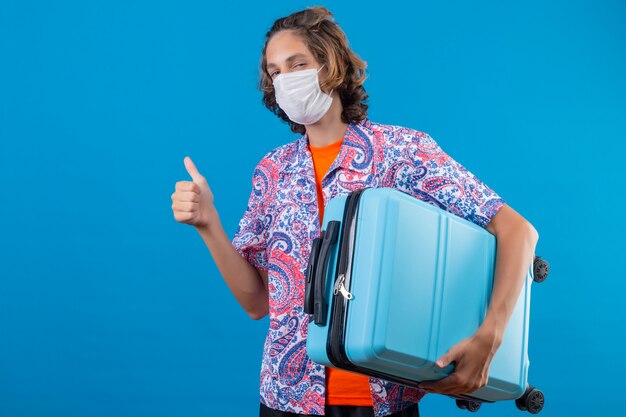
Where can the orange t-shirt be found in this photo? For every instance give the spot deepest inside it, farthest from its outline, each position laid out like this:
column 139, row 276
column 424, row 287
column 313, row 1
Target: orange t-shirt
column 342, row 387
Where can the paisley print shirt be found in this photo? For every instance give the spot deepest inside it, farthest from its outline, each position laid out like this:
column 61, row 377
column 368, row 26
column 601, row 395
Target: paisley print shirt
column 278, row 227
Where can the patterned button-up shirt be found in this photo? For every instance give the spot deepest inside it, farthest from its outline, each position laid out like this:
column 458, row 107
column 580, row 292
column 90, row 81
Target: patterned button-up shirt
column 281, row 221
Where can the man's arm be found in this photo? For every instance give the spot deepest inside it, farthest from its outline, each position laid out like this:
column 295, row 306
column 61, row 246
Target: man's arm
column 248, row 285
column 516, row 241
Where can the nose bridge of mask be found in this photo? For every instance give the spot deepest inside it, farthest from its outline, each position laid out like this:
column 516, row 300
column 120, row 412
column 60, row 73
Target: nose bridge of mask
column 296, row 75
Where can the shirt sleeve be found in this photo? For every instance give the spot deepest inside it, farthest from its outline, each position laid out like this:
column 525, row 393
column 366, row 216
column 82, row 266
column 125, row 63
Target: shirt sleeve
column 251, row 235
column 440, row 180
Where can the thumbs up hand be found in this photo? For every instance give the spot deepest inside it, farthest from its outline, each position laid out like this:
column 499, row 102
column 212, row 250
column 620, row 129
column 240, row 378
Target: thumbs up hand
column 192, row 202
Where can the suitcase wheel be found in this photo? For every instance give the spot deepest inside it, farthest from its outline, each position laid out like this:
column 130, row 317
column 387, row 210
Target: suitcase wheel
column 532, row 401
column 471, row 406
column 541, row 269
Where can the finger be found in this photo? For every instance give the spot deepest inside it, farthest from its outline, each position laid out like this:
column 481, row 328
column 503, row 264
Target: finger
column 183, row 217
column 447, row 383
column 187, row 186
column 441, row 385
column 186, row 196
column 445, row 360
column 184, row 206
column 456, row 383
column 451, row 386
column 193, row 171
column 450, row 356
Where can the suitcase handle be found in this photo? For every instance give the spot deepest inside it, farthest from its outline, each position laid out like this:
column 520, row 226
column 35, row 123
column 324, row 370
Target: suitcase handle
column 319, row 302
column 310, row 272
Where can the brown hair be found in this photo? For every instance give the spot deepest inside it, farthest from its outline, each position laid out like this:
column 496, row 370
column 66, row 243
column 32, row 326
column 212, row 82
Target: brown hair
column 329, row 45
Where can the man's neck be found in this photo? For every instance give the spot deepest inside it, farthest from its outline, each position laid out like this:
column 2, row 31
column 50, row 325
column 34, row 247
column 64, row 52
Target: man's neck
column 328, row 129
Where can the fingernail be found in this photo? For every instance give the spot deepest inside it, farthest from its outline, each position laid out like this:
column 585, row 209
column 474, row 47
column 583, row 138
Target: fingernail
column 440, row 364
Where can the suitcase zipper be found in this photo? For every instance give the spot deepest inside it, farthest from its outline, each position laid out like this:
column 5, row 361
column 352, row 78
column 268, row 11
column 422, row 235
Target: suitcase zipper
column 340, row 288
column 335, row 348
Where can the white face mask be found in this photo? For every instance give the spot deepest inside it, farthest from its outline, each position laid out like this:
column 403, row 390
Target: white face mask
column 299, row 94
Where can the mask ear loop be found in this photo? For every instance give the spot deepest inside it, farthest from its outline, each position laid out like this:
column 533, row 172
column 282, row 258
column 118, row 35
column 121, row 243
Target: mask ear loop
column 318, row 70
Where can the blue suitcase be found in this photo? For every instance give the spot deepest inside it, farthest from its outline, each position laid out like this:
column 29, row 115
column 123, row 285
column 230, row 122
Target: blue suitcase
column 394, row 282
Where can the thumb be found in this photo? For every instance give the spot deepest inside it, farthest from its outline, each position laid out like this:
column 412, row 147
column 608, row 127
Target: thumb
column 193, row 171
column 446, row 359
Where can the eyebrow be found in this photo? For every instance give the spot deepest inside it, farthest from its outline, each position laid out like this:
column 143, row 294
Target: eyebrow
column 290, row 59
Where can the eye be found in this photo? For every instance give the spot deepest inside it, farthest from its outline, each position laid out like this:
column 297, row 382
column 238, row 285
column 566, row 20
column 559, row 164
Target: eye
column 299, row 65
column 273, row 74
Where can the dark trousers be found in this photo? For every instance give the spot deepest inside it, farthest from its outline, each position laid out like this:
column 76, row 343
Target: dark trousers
column 340, row 411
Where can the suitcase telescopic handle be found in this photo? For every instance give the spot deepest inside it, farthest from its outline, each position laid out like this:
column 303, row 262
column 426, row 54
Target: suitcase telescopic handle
column 310, row 272
column 319, row 302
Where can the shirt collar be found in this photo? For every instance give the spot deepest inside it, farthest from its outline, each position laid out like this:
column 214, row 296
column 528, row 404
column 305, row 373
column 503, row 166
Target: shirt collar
column 356, row 151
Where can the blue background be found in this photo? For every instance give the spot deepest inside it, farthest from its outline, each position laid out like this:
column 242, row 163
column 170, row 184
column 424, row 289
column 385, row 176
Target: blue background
column 109, row 307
